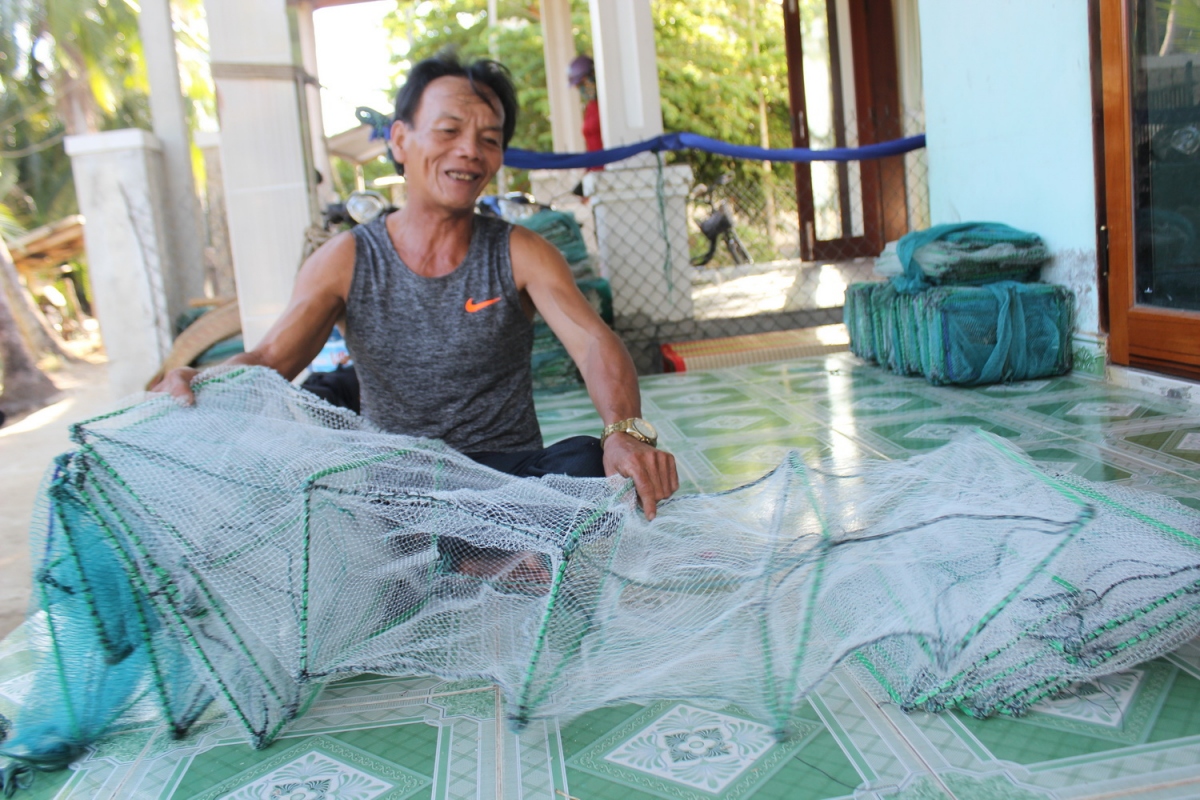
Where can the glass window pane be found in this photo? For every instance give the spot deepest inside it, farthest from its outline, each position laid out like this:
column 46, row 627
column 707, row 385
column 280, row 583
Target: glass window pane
column 1166, row 140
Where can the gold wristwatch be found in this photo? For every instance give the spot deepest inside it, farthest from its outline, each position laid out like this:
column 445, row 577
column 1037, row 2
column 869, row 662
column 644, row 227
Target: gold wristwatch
column 636, row 427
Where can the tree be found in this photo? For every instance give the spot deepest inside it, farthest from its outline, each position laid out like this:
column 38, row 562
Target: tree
column 26, row 388
column 710, row 78
column 1181, row 27
column 66, row 67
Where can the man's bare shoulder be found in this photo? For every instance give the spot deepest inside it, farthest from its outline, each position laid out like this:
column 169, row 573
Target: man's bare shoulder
column 532, row 255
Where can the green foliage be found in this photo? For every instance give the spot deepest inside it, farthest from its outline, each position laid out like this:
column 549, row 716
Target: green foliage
column 1186, row 21
column 75, row 66
column 66, row 66
column 709, row 78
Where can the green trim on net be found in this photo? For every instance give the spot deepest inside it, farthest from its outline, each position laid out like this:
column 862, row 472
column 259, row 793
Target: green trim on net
column 568, row 549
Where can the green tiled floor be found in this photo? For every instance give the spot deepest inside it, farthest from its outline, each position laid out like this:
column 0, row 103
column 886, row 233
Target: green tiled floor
column 1136, row 734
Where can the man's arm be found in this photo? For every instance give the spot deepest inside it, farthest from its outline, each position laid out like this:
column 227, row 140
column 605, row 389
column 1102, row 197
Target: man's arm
column 541, row 271
column 318, row 301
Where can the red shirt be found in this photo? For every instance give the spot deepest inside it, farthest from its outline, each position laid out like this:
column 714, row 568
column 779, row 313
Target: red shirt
column 591, row 129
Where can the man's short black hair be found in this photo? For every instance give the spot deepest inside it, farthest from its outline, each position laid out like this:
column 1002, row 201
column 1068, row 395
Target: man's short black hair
column 484, row 74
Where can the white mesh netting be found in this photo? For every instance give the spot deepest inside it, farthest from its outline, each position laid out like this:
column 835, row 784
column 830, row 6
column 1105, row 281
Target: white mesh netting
column 277, row 542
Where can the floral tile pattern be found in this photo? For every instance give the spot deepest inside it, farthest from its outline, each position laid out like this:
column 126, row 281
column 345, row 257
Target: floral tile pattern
column 1134, row 734
column 313, row 776
column 683, row 750
column 695, row 747
column 319, row 768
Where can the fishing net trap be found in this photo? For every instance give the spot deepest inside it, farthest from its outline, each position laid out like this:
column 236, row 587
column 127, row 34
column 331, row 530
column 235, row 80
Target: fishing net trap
column 261, row 543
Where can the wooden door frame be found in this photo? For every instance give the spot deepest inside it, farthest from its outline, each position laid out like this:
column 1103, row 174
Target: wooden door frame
column 877, row 97
column 1159, row 339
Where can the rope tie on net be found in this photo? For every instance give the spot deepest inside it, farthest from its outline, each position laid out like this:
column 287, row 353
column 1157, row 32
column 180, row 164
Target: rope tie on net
column 660, row 193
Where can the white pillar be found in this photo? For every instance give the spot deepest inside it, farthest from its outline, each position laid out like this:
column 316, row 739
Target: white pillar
column 263, row 154
column 643, row 241
column 626, row 71
column 119, row 185
column 218, row 261
column 558, row 47
column 641, row 224
column 316, row 120
column 184, row 270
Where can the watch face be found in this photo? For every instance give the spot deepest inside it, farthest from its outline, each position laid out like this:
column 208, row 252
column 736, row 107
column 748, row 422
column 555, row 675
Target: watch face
column 645, row 429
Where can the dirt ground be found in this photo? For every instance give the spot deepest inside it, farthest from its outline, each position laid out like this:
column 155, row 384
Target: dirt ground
column 27, row 446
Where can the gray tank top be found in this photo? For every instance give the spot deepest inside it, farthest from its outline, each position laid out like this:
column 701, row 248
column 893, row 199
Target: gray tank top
column 445, row 358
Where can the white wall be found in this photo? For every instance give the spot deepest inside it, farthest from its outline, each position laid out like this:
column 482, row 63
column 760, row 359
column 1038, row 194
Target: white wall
column 1008, row 118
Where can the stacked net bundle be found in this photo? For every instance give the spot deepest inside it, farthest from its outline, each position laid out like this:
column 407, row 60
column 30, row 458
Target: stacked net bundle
column 562, row 230
column 968, row 253
column 856, row 315
column 965, row 335
column 262, row 543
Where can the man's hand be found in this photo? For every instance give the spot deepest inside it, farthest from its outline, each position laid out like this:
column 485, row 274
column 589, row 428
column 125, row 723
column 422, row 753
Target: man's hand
column 653, row 471
column 178, row 384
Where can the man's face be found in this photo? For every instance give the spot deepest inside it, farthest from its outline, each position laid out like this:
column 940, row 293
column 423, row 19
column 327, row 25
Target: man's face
column 454, row 146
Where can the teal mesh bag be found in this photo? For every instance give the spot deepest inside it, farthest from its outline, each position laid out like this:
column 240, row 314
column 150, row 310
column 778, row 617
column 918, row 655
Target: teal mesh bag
column 882, row 299
column 965, row 253
column 966, row 335
column 856, row 314
column 908, row 360
column 1001, row 332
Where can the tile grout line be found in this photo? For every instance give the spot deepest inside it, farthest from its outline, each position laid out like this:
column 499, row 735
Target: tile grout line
column 116, row 794
column 500, row 747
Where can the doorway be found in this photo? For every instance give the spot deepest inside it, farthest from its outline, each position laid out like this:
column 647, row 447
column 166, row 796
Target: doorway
column 844, row 92
column 1150, row 83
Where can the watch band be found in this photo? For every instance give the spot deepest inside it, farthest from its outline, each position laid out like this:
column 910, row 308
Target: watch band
column 627, row 426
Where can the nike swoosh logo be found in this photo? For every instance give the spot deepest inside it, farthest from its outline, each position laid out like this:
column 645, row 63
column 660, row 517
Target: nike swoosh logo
column 472, row 306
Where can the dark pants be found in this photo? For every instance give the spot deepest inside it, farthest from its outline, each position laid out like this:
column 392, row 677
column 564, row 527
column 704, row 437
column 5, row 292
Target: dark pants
column 578, row 457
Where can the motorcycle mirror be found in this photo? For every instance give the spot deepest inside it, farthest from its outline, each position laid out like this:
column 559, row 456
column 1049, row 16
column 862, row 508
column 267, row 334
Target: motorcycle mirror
column 365, row 206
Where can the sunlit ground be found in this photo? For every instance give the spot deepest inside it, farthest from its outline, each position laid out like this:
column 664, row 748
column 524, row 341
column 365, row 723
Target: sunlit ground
column 775, row 286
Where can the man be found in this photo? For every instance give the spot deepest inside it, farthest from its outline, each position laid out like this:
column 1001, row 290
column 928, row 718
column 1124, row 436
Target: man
column 436, row 303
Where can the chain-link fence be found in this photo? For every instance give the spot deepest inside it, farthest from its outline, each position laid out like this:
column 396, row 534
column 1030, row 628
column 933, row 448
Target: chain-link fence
column 696, row 247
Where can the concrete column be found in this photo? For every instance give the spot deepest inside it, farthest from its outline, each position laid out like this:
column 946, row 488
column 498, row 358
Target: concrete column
column 218, row 262
column 643, row 253
column 642, row 236
column 626, row 71
column 316, row 120
column 120, row 187
column 558, row 47
column 184, row 269
column 263, row 154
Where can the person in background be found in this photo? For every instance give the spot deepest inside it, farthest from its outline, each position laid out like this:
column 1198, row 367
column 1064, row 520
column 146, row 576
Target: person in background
column 582, row 76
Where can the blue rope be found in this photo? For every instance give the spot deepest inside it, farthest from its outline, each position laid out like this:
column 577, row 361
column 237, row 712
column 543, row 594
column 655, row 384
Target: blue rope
column 531, row 159
column 528, row 159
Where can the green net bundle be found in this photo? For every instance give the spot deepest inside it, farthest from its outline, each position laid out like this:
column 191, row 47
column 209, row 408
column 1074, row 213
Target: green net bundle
column 253, row 547
column 561, row 229
column 967, row 253
column 965, row 335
